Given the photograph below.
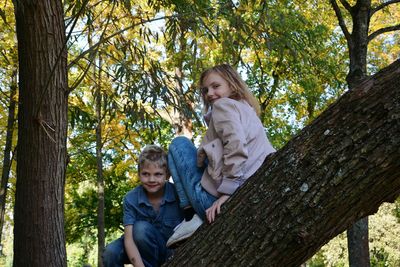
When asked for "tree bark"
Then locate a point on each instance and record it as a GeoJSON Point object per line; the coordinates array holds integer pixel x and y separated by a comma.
{"type": "Point", "coordinates": [339, 169]}
{"type": "Point", "coordinates": [39, 238]}
{"type": "Point", "coordinates": [358, 244]}
{"type": "Point", "coordinates": [357, 234]}
{"type": "Point", "coordinates": [358, 42]}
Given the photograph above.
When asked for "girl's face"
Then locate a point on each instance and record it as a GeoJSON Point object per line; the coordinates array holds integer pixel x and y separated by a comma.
{"type": "Point", "coordinates": [215, 87]}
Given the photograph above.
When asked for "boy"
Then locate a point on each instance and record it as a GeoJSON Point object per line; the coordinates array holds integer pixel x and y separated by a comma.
{"type": "Point", "coordinates": [151, 211]}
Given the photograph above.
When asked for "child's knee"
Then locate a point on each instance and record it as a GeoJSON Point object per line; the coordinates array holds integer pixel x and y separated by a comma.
{"type": "Point", "coordinates": [112, 252]}
{"type": "Point", "coordinates": [142, 231]}
{"type": "Point", "coordinates": [180, 141]}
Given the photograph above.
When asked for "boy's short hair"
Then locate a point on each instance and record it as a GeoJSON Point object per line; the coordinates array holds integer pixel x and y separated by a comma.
{"type": "Point", "coordinates": [155, 155]}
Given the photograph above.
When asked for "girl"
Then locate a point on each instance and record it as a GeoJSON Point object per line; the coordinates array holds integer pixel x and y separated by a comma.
{"type": "Point", "coordinates": [233, 148]}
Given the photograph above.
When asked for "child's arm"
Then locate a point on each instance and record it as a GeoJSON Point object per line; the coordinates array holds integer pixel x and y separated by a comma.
{"type": "Point", "coordinates": [131, 248]}
{"type": "Point", "coordinates": [230, 131]}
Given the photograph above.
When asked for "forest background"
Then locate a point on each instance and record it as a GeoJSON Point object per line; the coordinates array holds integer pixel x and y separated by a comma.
{"type": "Point", "coordinates": [132, 72]}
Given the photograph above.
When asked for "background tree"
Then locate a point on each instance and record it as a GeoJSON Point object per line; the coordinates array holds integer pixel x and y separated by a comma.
{"type": "Point", "coordinates": [7, 161]}
{"type": "Point", "coordinates": [100, 177]}
{"type": "Point", "coordinates": [361, 14]}
{"type": "Point", "coordinates": [8, 100]}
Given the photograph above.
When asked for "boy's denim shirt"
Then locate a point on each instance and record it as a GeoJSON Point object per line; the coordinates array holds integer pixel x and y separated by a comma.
{"type": "Point", "coordinates": [138, 208]}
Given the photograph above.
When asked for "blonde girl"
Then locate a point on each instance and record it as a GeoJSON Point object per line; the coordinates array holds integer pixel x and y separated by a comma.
{"type": "Point", "coordinates": [233, 148]}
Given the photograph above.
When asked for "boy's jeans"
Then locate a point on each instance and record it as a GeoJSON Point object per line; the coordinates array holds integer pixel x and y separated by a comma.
{"type": "Point", "coordinates": [182, 163]}
{"type": "Point", "coordinates": [150, 242]}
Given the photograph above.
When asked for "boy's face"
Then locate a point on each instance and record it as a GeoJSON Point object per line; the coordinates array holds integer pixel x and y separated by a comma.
{"type": "Point", "coordinates": [153, 178]}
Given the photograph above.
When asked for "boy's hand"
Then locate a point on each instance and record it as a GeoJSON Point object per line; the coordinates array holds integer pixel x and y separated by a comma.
{"type": "Point", "coordinates": [215, 209]}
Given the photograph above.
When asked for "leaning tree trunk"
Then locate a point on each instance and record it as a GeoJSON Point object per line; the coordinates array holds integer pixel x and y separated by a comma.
{"type": "Point", "coordinates": [339, 169]}
{"type": "Point", "coordinates": [39, 238]}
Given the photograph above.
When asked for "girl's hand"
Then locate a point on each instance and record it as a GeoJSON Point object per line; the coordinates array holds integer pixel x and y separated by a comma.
{"type": "Point", "coordinates": [215, 209]}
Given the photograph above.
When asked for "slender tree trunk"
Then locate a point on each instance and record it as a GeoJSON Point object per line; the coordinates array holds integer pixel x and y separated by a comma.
{"type": "Point", "coordinates": [100, 178]}
{"type": "Point", "coordinates": [358, 43]}
{"type": "Point", "coordinates": [182, 123]}
{"type": "Point", "coordinates": [39, 238]}
{"type": "Point", "coordinates": [357, 234]}
{"type": "Point", "coordinates": [358, 244]}
{"type": "Point", "coordinates": [7, 153]}
{"type": "Point", "coordinates": [337, 170]}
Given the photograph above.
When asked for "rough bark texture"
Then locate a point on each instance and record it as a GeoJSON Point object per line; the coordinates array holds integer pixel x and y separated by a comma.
{"type": "Point", "coordinates": [39, 238]}
{"type": "Point", "coordinates": [336, 171]}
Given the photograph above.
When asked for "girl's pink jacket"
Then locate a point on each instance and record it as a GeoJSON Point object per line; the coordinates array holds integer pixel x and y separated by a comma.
{"type": "Point", "coordinates": [235, 145]}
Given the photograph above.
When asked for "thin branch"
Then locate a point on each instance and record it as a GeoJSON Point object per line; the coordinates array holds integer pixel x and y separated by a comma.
{"type": "Point", "coordinates": [339, 16]}
{"type": "Point", "coordinates": [383, 5]}
{"type": "Point", "coordinates": [83, 75]}
{"type": "Point", "coordinates": [3, 100]}
{"type": "Point", "coordinates": [208, 29]}
{"type": "Point", "coordinates": [254, 27]}
{"type": "Point", "coordinates": [105, 71]}
{"type": "Point", "coordinates": [5, 95]}
{"type": "Point", "coordinates": [5, 57]}
{"type": "Point", "coordinates": [346, 5]}
{"type": "Point", "coordinates": [383, 30]}
{"type": "Point", "coordinates": [92, 48]}
{"type": "Point", "coordinates": [93, 55]}
{"type": "Point", "coordinates": [43, 124]}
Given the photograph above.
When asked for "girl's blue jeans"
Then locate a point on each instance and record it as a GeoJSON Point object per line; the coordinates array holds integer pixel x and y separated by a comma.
{"type": "Point", "coordinates": [182, 163]}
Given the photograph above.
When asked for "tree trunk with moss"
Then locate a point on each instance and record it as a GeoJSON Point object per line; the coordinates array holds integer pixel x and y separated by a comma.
{"type": "Point", "coordinates": [339, 169]}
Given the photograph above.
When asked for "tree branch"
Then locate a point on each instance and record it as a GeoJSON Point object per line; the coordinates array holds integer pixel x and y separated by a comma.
{"type": "Point", "coordinates": [94, 47]}
{"type": "Point", "coordinates": [383, 5]}
{"type": "Point", "coordinates": [93, 55]}
{"type": "Point", "coordinates": [346, 5]}
{"type": "Point", "coordinates": [5, 57]}
{"type": "Point", "coordinates": [383, 30]}
{"type": "Point", "coordinates": [209, 30]}
{"type": "Point", "coordinates": [339, 16]}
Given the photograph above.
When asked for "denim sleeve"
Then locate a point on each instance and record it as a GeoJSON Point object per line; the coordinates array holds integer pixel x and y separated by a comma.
{"type": "Point", "coordinates": [130, 215]}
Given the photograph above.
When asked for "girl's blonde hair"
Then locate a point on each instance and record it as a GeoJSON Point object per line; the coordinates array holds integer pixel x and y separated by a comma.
{"type": "Point", "coordinates": [238, 86]}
